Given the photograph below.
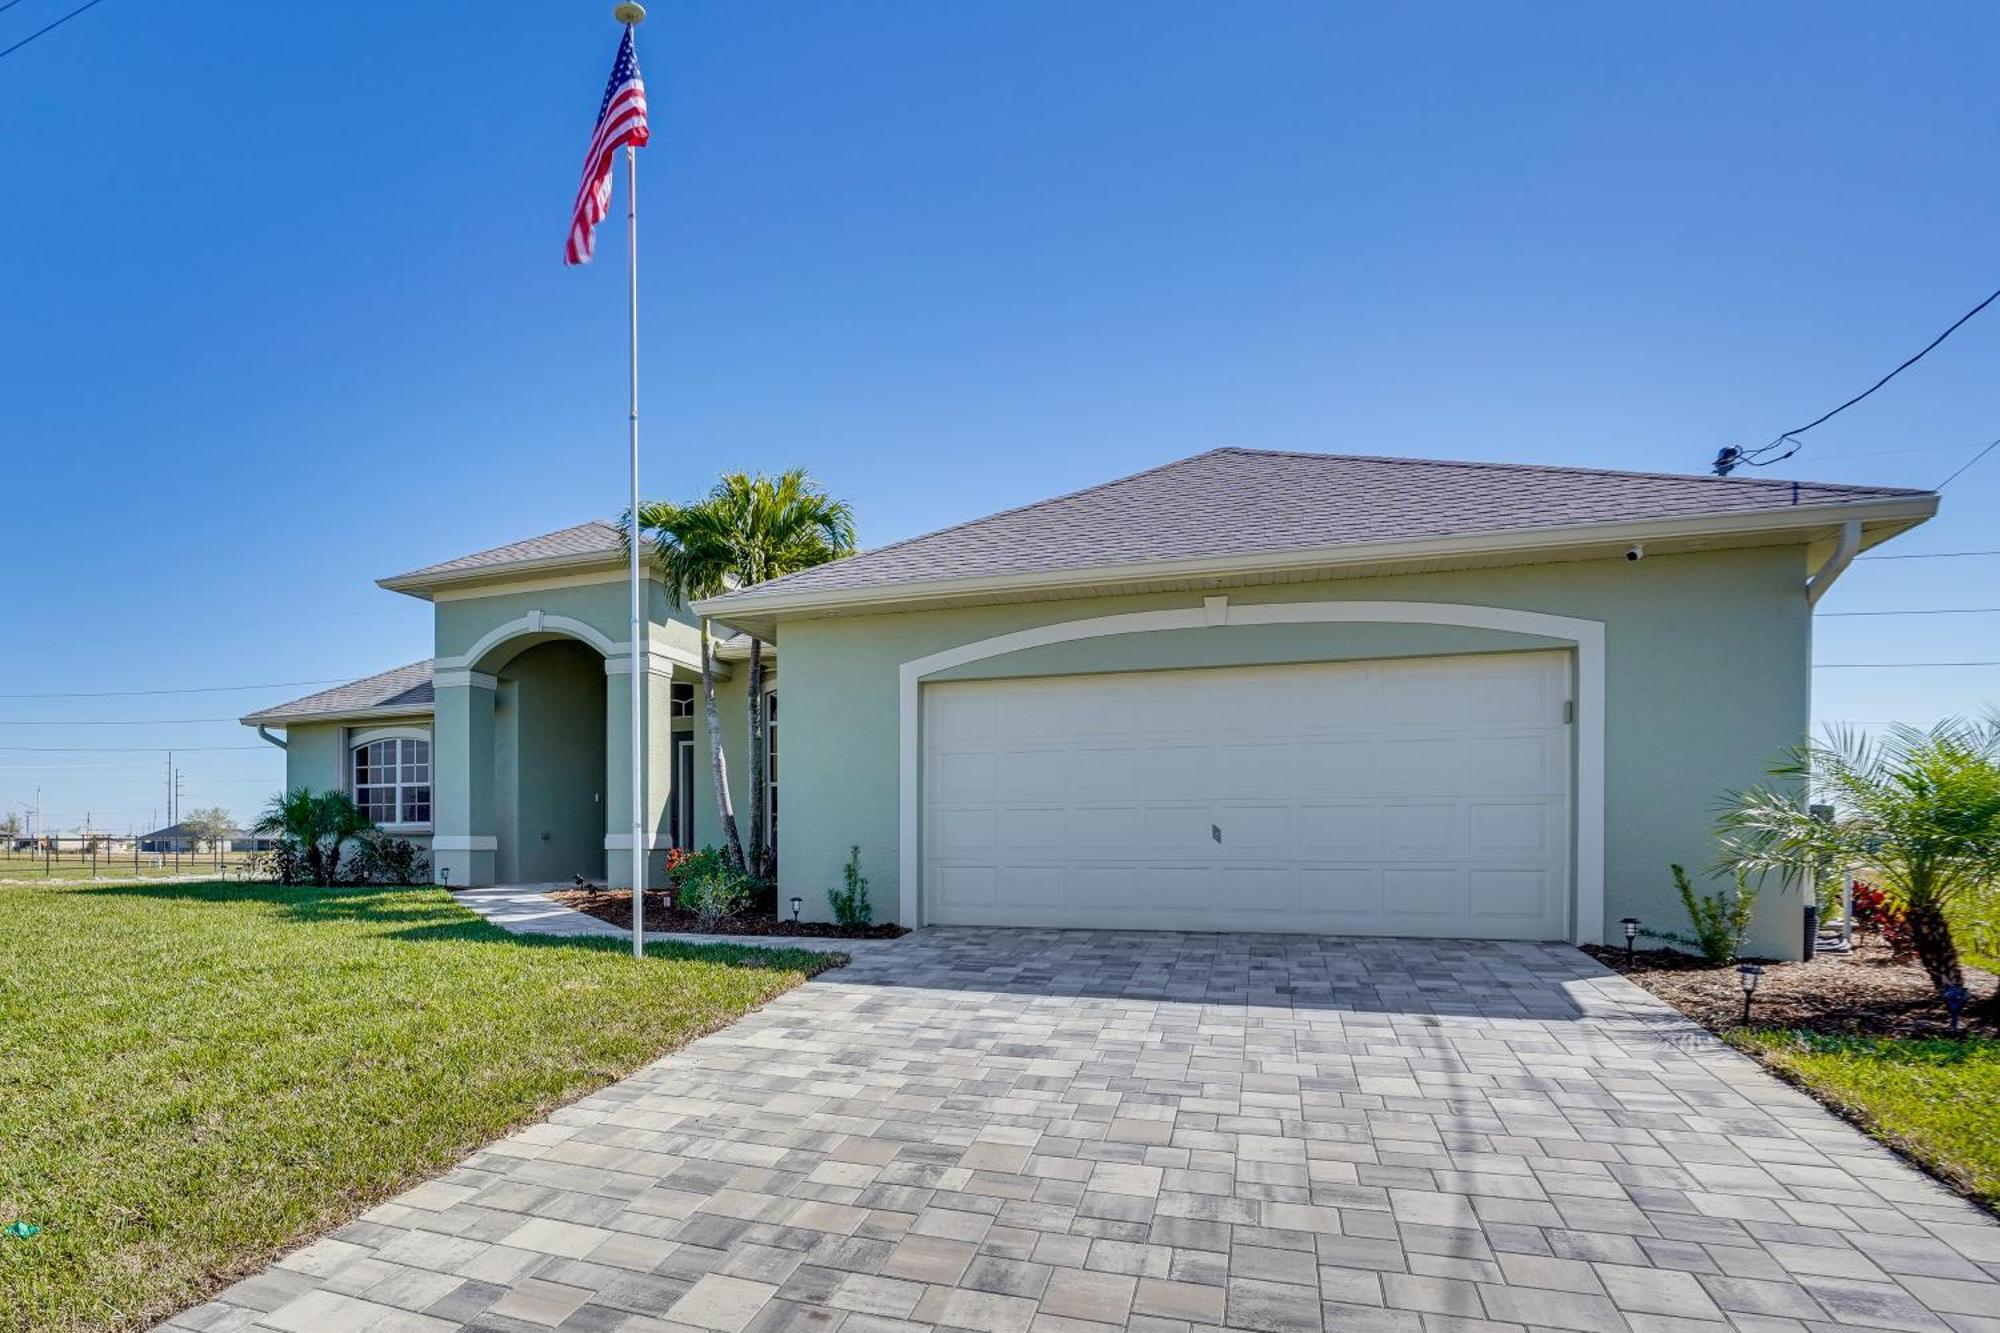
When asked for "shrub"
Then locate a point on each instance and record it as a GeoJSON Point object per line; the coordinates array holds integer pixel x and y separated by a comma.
{"type": "Point", "coordinates": [381, 858]}
{"type": "Point", "coordinates": [850, 902]}
{"type": "Point", "coordinates": [714, 893]}
{"type": "Point", "coordinates": [1720, 920]}
{"type": "Point", "coordinates": [285, 863]}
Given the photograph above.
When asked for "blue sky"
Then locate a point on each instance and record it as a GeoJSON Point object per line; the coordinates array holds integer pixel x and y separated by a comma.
{"type": "Point", "coordinates": [286, 312]}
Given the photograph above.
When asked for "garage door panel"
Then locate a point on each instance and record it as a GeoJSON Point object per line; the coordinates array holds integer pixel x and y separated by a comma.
{"type": "Point", "coordinates": [1268, 895]}
{"type": "Point", "coordinates": [1426, 797]}
{"type": "Point", "coordinates": [1344, 830]}
{"type": "Point", "coordinates": [1344, 891]}
{"type": "Point", "coordinates": [1512, 829]}
{"type": "Point", "coordinates": [1254, 830]}
{"type": "Point", "coordinates": [1422, 764]}
{"type": "Point", "coordinates": [1426, 828]}
{"type": "Point", "coordinates": [1254, 768]}
{"type": "Point", "coordinates": [1029, 775]}
{"type": "Point", "coordinates": [1528, 763]}
{"type": "Point", "coordinates": [1332, 768]}
{"type": "Point", "coordinates": [1499, 892]}
{"type": "Point", "coordinates": [1424, 891]}
{"type": "Point", "coordinates": [1174, 773]}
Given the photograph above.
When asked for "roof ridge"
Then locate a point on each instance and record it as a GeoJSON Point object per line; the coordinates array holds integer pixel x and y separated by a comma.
{"type": "Point", "coordinates": [1572, 469]}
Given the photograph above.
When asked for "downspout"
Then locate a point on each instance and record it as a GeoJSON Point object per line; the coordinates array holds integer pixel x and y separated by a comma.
{"type": "Point", "coordinates": [265, 735]}
{"type": "Point", "coordinates": [1844, 550]}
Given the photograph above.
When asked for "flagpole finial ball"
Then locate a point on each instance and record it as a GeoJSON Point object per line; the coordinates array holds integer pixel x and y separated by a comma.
{"type": "Point", "coordinates": [630, 15]}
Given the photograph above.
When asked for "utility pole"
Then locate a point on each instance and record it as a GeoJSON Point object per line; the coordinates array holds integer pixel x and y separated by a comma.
{"type": "Point", "coordinates": [170, 786]}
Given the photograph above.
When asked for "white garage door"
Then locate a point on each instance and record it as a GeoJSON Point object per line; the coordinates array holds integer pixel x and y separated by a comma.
{"type": "Point", "coordinates": [1423, 796]}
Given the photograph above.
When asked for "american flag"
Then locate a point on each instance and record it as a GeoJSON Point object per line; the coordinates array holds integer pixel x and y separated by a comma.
{"type": "Point", "coordinates": [621, 120]}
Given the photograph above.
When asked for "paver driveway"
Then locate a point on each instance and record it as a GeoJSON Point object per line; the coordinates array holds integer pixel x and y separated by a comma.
{"type": "Point", "coordinates": [1068, 1132]}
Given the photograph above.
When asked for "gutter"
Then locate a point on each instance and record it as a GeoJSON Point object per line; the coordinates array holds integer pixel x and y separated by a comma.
{"type": "Point", "coordinates": [1844, 550]}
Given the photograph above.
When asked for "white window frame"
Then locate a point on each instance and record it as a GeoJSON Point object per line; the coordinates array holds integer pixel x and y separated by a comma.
{"type": "Point", "coordinates": [360, 740]}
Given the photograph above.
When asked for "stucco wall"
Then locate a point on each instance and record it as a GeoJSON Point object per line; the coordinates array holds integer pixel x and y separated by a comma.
{"type": "Point", "coordinates": [1707, 680]}
{"type": "Point", "coordinates": [312, 756]}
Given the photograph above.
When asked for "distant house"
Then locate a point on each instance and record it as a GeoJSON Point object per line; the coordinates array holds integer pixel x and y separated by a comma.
{"type": "Point", "coordinates": [180, 838]}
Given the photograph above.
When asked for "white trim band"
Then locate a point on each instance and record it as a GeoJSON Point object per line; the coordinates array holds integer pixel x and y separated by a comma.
{"type": "Point", "coordinates": [465, 842]}
{"type": "Point", "coordinates": [622, 842]}
{"type": "Point", "coordinates": [1585, 636]}
{"type": "Point", "coordinates": [480, 680]}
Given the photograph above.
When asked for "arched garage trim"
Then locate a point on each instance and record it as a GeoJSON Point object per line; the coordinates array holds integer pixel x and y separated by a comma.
{"type": "Point", "coordinates": [1586, 637]}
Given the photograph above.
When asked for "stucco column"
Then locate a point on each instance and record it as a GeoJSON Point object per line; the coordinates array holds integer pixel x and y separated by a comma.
{"type": "Point", "coordinates": [462, 779]}
{"type": "Point", "coordinates": [618, 772]}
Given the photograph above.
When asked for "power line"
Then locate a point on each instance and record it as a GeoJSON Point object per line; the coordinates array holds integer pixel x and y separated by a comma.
{"type": "Point", "coordinates": [1894, 666]}
{"type": "Point", "coordinates": [1928, 611]}
{"type": "Point", "coordinates": [87, 4]}
{"type": "Point", "coordinates": [1927, 555]}
{"type": "Point", "coordinates": [1968, 464]}
{"type": "Point", "coordinates": [1731, 457]}
{"type": "Point", "coordinates": [191, 689]}
{"type": "Point", "coordinates": [124, 722]}
{"type": "Point", "coordinates": [124, 749]}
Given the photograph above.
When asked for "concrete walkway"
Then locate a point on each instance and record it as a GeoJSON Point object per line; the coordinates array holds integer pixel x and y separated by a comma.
{"type": "Point", "coordinates": [1077, 1132]}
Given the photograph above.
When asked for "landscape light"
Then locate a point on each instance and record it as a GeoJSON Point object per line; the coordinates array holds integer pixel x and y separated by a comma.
{"type": "Point", "coordinates": [796, 904]}
{"type": "Point", "coordinates": [444, 876]}
{"type": "Point", "coordinates": [1746, 976]}
{"type": "Point", "coordinates": [1631, 924]}
{"type": "Point", "coordinates": [1954, 1003]}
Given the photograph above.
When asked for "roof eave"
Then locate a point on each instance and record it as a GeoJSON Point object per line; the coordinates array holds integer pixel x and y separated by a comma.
{"type": "Point", "coordinates": [748, 608]}
{"type": "Point", "coordinates": [278, 719]}
{"type": "Point", "coordinates": [419, 584]}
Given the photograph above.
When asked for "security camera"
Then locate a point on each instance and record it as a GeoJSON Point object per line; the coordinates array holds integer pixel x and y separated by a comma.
{"type": "Point", "coordinates": [1635, 552]}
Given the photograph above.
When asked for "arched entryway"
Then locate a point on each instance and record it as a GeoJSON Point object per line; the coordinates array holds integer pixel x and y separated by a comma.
{"type": "Point", "coordinates": [549, 763]}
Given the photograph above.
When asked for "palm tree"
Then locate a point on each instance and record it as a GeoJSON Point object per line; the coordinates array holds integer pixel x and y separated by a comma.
{"type": "Point", "coordinates": [692, 551]}
{"type": "Point", "coordinates": [778, 525]}
{"type": "Point", "coordinates": [1921, 806]}
{"type": "Point", "coordinates": [319, 824]}
{"type": "Point", "coordinates": [747, 529]}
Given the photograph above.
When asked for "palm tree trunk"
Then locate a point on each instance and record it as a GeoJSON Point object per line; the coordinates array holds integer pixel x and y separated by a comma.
{"type": "Point", "coordinates": [757, 801]}
{"type": "Point", "coordinates": [1930, 934]}
{"type": "Point", "coordinates": [732, 841]}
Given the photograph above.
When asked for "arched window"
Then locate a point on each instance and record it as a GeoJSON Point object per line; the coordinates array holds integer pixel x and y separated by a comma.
{"type": "Point", "coordinates": [392, 779]}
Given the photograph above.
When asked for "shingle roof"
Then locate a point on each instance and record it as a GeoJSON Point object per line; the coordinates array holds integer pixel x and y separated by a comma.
{"type": "Point", "coordinates": [1249, 501]}
{"type": "Point", "coordinates": [594, 538]}
{"type": "Point", "coordinates": [407, 687]}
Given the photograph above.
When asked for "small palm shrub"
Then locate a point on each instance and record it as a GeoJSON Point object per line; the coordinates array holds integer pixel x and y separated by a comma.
{"type": "Point", "coordinates": [315, 826]}
{"type": "Point", "coordinates": [1721, 920]}
{"type": "Point", "coordinates": [1920, 805]}
{"type": "Point", "coordinates": [850, 901]}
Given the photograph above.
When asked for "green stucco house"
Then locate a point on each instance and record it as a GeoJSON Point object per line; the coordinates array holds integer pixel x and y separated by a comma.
{"type": "Point", "coordinates": [1244, 691]}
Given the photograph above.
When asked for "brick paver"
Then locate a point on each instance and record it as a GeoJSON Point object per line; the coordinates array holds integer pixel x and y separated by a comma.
{"type": "Point", "coordinates": [1076, 1132]}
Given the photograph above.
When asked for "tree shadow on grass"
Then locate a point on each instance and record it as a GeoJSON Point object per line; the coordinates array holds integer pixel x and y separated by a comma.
{"type": "Point", "coordinates": [422, 914]}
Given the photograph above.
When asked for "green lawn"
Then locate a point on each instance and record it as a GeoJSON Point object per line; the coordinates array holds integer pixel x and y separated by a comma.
{"type": "Point", "coordinates": [1938, 1099]}
{"type": "Point", "coordinates": [196, 1077]}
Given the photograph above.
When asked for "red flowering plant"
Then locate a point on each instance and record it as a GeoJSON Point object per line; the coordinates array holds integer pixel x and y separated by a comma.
{"type": "Point", "coordinates": [1873, 911]}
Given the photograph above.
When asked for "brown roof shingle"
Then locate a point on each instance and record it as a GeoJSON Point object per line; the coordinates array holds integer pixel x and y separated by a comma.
{"type": "Point", "coordinates": [1251, 501]}
{"type": "Point", "coordinates": [406, 687]}
{"type": "Point", "coordinates": [597, 537]}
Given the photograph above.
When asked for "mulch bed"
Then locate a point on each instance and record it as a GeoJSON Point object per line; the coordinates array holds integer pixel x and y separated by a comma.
{"type": "Point", "coordinates": [1865, 993]}
{"type": "Point", "coordinates": [615, 906]}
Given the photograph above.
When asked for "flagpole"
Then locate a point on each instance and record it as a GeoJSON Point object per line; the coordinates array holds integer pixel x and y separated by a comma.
{"type": "Point", "coordinates": [631, 16]}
